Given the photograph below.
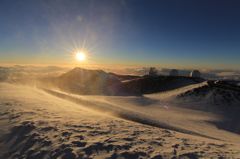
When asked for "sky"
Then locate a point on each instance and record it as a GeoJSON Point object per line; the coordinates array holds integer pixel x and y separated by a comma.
{"type": "Point", "coordinates": [164, 33]}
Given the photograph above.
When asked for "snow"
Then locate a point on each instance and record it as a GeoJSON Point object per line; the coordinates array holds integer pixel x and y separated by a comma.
{"type": "Point", "coordinates": [49, 124]}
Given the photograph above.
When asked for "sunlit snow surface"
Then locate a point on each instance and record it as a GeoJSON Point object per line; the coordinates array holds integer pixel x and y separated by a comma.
{"type": "Point", "coordinates": [50, 124]}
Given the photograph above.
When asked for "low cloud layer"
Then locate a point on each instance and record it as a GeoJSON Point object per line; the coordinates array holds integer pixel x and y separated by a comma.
{"type": "Point", "coordinates": [208, 74]}
{"type": "Point", "coordinates": [17, 72]}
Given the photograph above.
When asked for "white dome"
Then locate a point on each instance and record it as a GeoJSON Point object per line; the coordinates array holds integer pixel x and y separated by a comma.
{"type": "Point", "coordinates": [195, 73]}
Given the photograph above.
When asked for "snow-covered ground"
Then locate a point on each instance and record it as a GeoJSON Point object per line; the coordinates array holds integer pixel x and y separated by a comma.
{"type": "Point", "coordinates": [38, 123]}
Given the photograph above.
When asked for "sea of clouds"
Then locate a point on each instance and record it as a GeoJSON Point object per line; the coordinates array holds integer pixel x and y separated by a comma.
{"type": "Point", "coordinates": [13, 73]}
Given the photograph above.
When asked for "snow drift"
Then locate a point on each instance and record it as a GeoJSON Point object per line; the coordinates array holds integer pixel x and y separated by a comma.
{"type": "Point", "coordinates": [35, 124]}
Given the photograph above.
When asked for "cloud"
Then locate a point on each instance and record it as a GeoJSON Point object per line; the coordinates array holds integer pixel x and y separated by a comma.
{"type": "Point", "coordinates": [32, 72]}
{"type": "Point", "coordinates": [25, 74]}
{"type": "Point", "coordinates": [208, 74]}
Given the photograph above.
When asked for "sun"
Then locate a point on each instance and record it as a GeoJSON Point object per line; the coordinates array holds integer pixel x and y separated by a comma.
{"type": "Point", "coordinates": [80, 56]}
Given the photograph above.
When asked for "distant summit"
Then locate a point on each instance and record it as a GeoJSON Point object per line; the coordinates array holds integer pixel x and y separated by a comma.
{"type": "Point", "coordinates": [173, 72]}
{"type": "Point", "coordinates": [195, 74]}
{"type": "Point", "coordinates": [84, 81]}
{"type": "Point", "coordinates": [98, 82]}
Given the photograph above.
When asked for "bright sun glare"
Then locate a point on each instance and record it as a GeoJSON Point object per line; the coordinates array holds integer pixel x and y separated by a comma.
{"type": "Point", "coordinates": [80, 56]}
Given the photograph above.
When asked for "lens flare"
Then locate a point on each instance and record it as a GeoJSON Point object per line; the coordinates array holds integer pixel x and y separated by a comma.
{"type": "Point", "coordinates": [80, 56]}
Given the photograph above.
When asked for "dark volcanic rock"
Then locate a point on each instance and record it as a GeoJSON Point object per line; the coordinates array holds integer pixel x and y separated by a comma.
{"type": "Point", "coordinates": [98, 82]}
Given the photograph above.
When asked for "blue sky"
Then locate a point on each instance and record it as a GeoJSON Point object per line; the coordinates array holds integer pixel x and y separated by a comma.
{"type": "Point", "coordinates": [171, 33]}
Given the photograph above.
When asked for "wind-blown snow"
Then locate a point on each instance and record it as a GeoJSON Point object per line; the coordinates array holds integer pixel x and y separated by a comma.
{"type": "Point", "coordinates": [43, 124]}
